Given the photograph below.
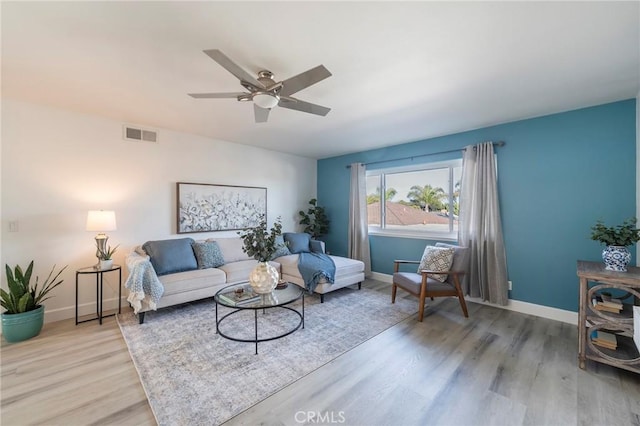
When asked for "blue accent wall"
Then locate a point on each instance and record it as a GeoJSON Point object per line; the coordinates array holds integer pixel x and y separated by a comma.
{"type": "Point", "coordinates": [557, 175]}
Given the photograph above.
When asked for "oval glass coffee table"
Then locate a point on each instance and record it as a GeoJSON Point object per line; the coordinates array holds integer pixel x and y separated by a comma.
{"type": "Point", "coordinates": [239, 297]}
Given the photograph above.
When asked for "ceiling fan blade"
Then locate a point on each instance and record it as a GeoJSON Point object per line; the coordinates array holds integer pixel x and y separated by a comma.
{"type": "Point", "coordinates": [216, 95]}
{"type": "Point", "coordinates": [298, 105]}
{"type": "Point", "coordinates": [262, 114]}
{"type": "Point", "coordinates": [232, 67]}
{"type": "Point", "coordinates": [304, 80]}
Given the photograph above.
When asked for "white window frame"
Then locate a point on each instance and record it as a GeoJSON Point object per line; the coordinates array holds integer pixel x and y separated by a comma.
{"type": "Point", "coordinates": [451, 235]}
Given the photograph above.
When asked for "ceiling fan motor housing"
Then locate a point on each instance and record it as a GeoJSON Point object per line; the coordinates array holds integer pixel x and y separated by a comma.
{"type": "Point", "coordinates": [265, 92]}
{"type": "Point", "coordinates": [266, 78]}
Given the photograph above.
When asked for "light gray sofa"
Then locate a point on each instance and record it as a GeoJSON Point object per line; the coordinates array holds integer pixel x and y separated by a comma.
{"type": "Point", "coordinates": [185, 273]}
{"type": "Point", "coordinates": [348, 271]}
{"type": "Point", "coordinates": [191, 270]}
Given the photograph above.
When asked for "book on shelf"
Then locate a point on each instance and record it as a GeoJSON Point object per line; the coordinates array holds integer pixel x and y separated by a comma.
{"type": "Point", "coordinates": [604, 339]}
{"type": "Point", "coordinates": [606, 306]}
{"type": "Point", "coordinates": [611, 302]}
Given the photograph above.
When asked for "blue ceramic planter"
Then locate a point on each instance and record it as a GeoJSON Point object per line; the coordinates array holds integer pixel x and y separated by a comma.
{"type": "Point", "coordinates": [23, 326]}
{"type": "Point", "coordinates": [616, 258]}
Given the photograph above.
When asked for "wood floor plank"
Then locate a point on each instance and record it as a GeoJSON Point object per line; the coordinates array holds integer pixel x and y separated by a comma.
{"type": "Point", "coordinates": [603, 404]}
{"type": "Point", "coordinates": [497, 367]}
{"type": "Point", "coordinates": [73, 375]}
{"type": "Point", "coordinates": [553, 396]}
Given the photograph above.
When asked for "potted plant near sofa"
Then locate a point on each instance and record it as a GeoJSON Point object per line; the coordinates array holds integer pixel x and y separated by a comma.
{"type": "Point", "coordinates": [616, 255]}
{"type": "Point", "coordinates": [315, 220]}
{"type": "Point", "coordinates": [24, 315]}
{"type": "Point", "coordinates": [261, 245]}
{"type": "Point", "coordinates": [105, 257]}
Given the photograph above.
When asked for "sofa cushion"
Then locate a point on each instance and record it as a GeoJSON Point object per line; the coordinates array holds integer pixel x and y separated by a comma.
{"type": "Point", "coordinates": [281, 248]}
{"type": "Point", "coordinates": [169, 256]}
{"type": "Point", "coordinates": [208, 254]}
{"type": "Point", "coordinates": [298, 242]}
{"type": "Point", "coordinates": [413, 282]}
{"type": "Point", "coordinates": [344, 266]}
{"type": "Point", "coordinates": [438, 259]}
{"type": "Point", "coordinates": [232, 249]}
{"type": "Point", "coordinates": [197, 279]}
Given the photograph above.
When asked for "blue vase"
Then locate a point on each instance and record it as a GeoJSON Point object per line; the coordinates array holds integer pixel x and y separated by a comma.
{"type": "Point", "coordinates": [616, 258]}
{"type": "Point", "coordinates": [22, 326]}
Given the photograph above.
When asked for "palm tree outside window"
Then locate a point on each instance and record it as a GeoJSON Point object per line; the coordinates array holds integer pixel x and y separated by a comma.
{"type": "Point", "coordinates": [421, 201]}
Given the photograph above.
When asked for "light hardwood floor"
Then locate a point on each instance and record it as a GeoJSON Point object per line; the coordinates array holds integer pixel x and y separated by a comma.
{"type": "Point", "coordinates": [496, 368]}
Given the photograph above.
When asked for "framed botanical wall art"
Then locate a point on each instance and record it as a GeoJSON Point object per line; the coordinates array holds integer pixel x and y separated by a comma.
{"type": "Point", "coordinates": [209, 207]}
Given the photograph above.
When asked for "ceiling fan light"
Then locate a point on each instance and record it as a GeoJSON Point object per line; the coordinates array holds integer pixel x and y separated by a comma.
{"type": "Point", "coordinates": [265, 100]}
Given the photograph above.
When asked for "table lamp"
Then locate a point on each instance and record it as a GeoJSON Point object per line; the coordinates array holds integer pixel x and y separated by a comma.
{"type": "Point", "coordinates": [101, 221]}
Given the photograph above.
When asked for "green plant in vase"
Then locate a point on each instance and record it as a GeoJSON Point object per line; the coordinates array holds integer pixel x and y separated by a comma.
{"type": "Point", "coordinates": [105, 256]}
{"type": "Point", "coordinates": [24, 315]}
{"type": "Point", "coordinates": [261, 244]}
{"type": "Point", "coordinates": [616, 255]}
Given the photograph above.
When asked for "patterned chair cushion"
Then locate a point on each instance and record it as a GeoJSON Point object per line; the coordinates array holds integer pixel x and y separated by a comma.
{"type": "Point", "coordinates": [437, 259]}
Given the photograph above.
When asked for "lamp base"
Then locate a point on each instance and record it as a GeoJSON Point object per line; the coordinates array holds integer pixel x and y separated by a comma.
{"type": "Point", "coordinates": [101, 244]}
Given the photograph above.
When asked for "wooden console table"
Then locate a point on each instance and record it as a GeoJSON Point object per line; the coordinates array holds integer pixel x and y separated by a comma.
{"type": "Point", "coordinates": [593, 279]}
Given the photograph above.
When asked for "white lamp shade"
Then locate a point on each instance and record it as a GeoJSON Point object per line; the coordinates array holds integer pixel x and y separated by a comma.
{"type": "Point", "coordinates": [265, 100]}
{"type": "Point", "coordinates": [101, 220]}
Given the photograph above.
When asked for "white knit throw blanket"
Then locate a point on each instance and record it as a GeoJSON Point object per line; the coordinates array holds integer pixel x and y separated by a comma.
{"type": "Point", "coordinates": [144, 286]}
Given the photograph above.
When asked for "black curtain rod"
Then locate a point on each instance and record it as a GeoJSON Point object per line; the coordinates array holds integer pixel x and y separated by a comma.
{"type": "Point", "coordinates": [498, 144]}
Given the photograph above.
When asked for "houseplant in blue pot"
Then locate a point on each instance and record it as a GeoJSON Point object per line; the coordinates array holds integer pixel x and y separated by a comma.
{"type": "Point", "coordinates": [24, 315]}
{"type": "Point", "coordinates": [616, 255]}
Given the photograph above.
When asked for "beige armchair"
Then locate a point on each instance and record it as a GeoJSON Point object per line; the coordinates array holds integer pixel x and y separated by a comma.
{"type": "Point", "coordinates": [422, 286]}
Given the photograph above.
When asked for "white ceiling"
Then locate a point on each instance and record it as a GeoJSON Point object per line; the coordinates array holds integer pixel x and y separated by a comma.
{"type": "Point", "coordinates": [401, 71]}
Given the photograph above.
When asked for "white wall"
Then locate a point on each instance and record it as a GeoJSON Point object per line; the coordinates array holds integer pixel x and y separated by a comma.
{"type": "Point", "coordinates": [638, 167]}
{"type": "Point", "coordinates": [57, 165]}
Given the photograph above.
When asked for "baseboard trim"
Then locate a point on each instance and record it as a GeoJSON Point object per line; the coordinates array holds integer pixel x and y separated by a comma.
{"type": "Point", "coordinates": [561, 315]}
{"type": "Point", "coordinates": [69, 312]}
{"type": "Point", "coordinates": [542, 311]}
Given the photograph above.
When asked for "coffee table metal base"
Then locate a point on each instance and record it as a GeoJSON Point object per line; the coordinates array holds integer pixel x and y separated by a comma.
{"type": "Point", "coordinates": [255, 324]}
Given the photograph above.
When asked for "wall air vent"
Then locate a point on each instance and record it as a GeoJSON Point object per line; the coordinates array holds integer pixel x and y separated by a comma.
{"type": "Point", "coordinates": [134, 133]}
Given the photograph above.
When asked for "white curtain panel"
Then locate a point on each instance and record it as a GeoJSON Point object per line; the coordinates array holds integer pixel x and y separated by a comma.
{"type": "Point", "coordinates": [358, 226]}
{"type": "Point", "coordinates": [480, 227]}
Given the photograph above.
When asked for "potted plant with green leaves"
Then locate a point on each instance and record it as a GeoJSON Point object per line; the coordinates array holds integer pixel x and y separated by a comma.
{"type": "Point", "coordinates": [261, 245]}
{"type": "Point", "coordinates": [616, 255]}
{"type": "Point", "coordinates": [315, 220]}
{"type": "Point", "coordinates": [24, 315]}
{"type": "Point", "coordinates": [106, 256]}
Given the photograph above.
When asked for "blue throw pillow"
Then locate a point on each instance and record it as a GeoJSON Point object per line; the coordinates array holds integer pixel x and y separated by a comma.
{"type": "Point", "coordinates": [298, 242]}
{"type": "Point", "coordinates": [169, 256]}
{"type": "Point", "coordinates": [316, 246]}
{"type": "Point", "coordinates": [208, 254]}
{"type": "Point", "coordinates": [281, 248]}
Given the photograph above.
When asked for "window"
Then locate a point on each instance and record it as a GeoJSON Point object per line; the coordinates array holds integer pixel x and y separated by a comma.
{"type": "Point", "coordinates": [416, 201]}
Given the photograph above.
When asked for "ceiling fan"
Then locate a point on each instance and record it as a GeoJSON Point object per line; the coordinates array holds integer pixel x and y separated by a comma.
{"type": "Point", "coordinates": [265, 92]}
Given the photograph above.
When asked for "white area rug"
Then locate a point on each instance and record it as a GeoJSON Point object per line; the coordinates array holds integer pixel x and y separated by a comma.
{"type": "Point", "coordinates": [193, 376]}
